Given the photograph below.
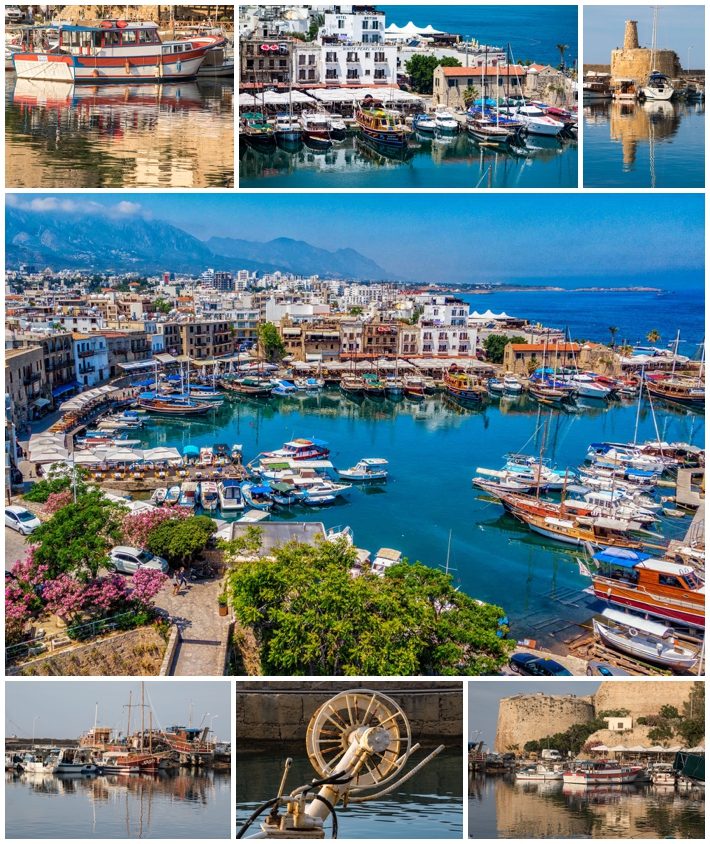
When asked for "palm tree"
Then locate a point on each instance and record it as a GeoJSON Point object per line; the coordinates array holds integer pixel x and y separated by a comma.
{"type": "Point", "coordinates": [612, 330]}
{"type": "Point", "coordinates": [562, 48]}
{"type": "Point", "coordinates": [625, 351]}
{"type": "Point", "coordinates": [653, 337]}
{"type": "Point", "coordinates": [469, 95]}
{"type": "Point", "coordinates": [533, 364]}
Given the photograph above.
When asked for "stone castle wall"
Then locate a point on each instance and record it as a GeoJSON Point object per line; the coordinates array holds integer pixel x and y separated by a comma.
{"type": "Point", "coordinates": [636, 64]}
{"type": "Point", "coordinates": [523, 718]}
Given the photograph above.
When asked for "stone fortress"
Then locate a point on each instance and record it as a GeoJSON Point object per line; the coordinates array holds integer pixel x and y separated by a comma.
{"type": "Point", "coordinates": [526, 717]}
{"type": "Point", "coordinates": [634, 62]}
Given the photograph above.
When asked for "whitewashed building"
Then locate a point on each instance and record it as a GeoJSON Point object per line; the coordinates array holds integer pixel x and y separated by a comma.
{"type": "Point", "coordinates": [90, 358]}
{"type": "Point", "coordinates": [358, 28]}
{"type": "Point", "coordinates": [358, 64]}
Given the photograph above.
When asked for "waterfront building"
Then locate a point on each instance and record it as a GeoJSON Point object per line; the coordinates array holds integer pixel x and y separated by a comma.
{"type": "Point", "coordinates": [265, 61]}
{"type": "Point", "coordinates": [359, 64]}
{"type": "Point", "coordinates": [26, 383]}
{"type": "Point", "coordinates": [306, 63]}
{"type": "Point", "coordinates": [518, 357]}
{"type": "Point", "coordinates": [58, 357]}
{"type": "Point", "coordinates": [371, 338]}
{"type": "Point", "coordinates": [347, 26]}
{"type": "Point", "coordinates": [438, 341]}
{"type": "Point", "coordinates": [90, 358]}
{"type": "Point", "coordinates": [446, 310]}
{"type": "Point", "coordinates": [312, 341]}
{"type": "Point", "coordinates": [126, 346]}
{"type": "Point", "coordinates": [206, 339]}
{"type": "Point", "coordinates": [450, 83]}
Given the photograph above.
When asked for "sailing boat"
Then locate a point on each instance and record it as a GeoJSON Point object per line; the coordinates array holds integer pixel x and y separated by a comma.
{"type": "Point", "coordinates": [659, 85]}
{"type": "Point", "coordinates": [482, 126]}
{"type": "Point", "coordinates": [287, 129]}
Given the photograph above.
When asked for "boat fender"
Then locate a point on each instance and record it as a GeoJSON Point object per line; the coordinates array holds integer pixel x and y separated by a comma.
{"type": "Point", "coordinates": [95, 73]}
{"type": "Point", "coordinates": [128, 67]}
{"type": "Point", "coordinates": [633, 631]}
{"type": "Point", "coordinates": [121, 24]}
{"type": "Point", "coordinates": [179, 65]}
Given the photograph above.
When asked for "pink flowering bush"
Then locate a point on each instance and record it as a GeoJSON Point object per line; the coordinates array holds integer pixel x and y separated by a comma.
{"type": "Point", "coordinates": [146, 583]}
{"type": "Point", "coordinates": [107, 594]}
{"type": "Point", "coordinates": [64, 596]}
{"type": "Point", "coordinates": [137, 527]}
{"type": "Point", "coordinates": [57, 500]}
{"type": "Point", "coordinates": [28, 573]}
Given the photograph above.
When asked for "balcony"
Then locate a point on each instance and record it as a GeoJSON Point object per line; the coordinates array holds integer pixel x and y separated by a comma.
{"type": "Point", "coordinates": [87, 354]}
{"type": "Point", "coordinates": [86, 370]}
{"type": "Point", "coordinates": [31, 379]}
{"type": "Point", "coordinates": [352, 58]}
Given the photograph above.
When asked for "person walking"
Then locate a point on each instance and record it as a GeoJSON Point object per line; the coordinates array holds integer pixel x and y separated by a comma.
{"type": "Point", "coordinates": [183, 579]}
{"type": "Point", "coordinates": [176, 582]}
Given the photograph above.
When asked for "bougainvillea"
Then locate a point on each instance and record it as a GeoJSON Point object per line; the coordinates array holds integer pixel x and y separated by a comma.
{"type": "Point", "coordinates": [64, 596]}
{"type": "Point", "coordinates": [57, 500]}
{"type": "Point", "coordinates": [28, 573]}
{"type": "Point", "coordinates": [146, 585]}
{"type": "Point", "coordinates": [137, 527]}
{"type": "Point", "coordinates": [107, 594]}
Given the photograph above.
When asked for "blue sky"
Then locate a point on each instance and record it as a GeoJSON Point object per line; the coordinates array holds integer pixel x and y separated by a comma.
{"type": "Point", "coordinates": [484, 697]}
{"type": "Point", "coordinates": [447, 237]}
{"type": "Point", "coordinates": [679, 27]}
{"type": "Point", "coordinates": [66, 708]}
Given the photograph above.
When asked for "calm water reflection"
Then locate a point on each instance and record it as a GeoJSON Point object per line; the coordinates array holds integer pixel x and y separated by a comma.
{"type": "Point", "coordinates": [429, 805]}
{"type": "Point", "coordinates": [644, 145]}
{"type": "Point", "coordinates": [113, 136]}
{"type": "Point", "coordinates": [181, 804]}
{"type": "Point", "coordinates": [443, 161]}
{"type": "Point", "coordinates": [500, 808]}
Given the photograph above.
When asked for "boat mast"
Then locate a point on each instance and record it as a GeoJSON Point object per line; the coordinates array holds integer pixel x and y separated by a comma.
{"type": "Point", "coordinates": [96, 718]}
{"type": "Point", "coordinates": [653, 38]}
{"type": "Point", "coordinates": [128, 722]}
{"type": "Point", "coordinates": [702, 364]}
{"type": "Point", "coordinates": [539, 466]}
{"type": "Point", "coordinates": [448, 552]}
{"type": "Point", "coordinates": [142, 714]}
{"type": "Point", "coordinates": [675, 352]}
{"type": "Point", "coordinates": [638, 407]}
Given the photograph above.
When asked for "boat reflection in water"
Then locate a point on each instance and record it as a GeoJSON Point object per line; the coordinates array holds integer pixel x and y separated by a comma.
{"type": "Point", "coordinates": [501, 808]}
{"type": "Point", "coordinates": [359, 160]}
{"type": "Point", "coordinates": [141, 135]}
{"type": "Point", "coordinates": [661, 144]}
{"type": "Point", "coordinates": [178, 803]}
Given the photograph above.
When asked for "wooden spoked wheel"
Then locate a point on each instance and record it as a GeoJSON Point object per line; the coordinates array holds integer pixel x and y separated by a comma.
{"type": "Point", "coordinates": [331, 727]}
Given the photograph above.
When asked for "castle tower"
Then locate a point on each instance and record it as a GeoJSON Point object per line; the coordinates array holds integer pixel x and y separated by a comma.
{"type": "Point", "coordinates": [631, 36]}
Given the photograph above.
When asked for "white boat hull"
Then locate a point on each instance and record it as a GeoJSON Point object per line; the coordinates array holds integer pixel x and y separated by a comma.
{"type": "Point", "coordinates": [658, 93]}
{"type": "Point", "coordinates": [668, 657]}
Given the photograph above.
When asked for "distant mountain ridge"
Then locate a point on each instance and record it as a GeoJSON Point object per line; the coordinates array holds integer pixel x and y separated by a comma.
{"type": "Point", "coordinates": [72, 240]}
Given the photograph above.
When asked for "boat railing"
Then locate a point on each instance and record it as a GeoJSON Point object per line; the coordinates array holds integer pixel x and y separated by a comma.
{"type": "Point", "coordinates": [55, 642]}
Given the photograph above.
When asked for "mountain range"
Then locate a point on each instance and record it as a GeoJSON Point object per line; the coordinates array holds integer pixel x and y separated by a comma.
{"type": "Point", "coordinates": [99, 242]}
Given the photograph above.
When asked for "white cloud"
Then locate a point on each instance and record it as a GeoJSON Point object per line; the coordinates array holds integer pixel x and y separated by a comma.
{"type": "Point", "coordinates": [69, 206]}
{"type": "Point", "coordinates": [129, 208]}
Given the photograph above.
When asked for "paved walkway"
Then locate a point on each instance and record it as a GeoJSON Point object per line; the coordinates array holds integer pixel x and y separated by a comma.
{"type": "Point", "coordinates": [203, 631]}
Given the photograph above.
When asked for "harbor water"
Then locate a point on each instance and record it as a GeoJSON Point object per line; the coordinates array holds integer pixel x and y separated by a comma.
{"type": "Point", "coordinates": [429, 805]}
{"type": "Point", "coordinates": [184, 804]}
{"type": "Point", "coordinates": [433, 448]}
{"type": "Point", "coordinates": [431, 161]}
{"type": "Point", "coordinates": [59, 135]}
{"type": "Point", "coordinates": [498, 807]}
{"type": "Point", "coordinates": [649, 144]}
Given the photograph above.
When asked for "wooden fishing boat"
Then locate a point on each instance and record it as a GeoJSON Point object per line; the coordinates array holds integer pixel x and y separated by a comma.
{"type": "Point", "coordinates": [381, 125]}
{"type": "Point", "coordinates": [173, 494]}
{"type": "Point", "coordinates": [414, 387]}
{"type": "Point", "coordinates": [191, 743]}
{"type": "Point", "coordinates": [255, 387]}
{"type": "Point", "coordinates": [159, 495]}
{"type": "Point", "coordinates": [660, 588]}
{"type": "Point", "coordinates": [547, 395]}
{"type": "Point", "coordinates": [646, 640]}
{"type": "Point", "coordinates": [374, 386]}
{"type": "Point", "coordinates": [604, 772]}
{"type": "Point", "coordinates": [368, 469]}
{"type": "Point", "coordinates": [256, 131]}
{"type": "Point", "coordinates": [600, 532]}
{"type": "Point", "coordinates": [162, 407]}
{"type": "Point", "coordinates": [352, 384]}
{"type": "Point", "coordinates": [463, 387]}
{"type": "Point", "coordinates": [677, 391]}
{"type": "Point", "coordinates": [189, 495]}
{"type": "Point", "coordinates": [109, 52]}
{"type": "Point", "coordinates": [257, 497]}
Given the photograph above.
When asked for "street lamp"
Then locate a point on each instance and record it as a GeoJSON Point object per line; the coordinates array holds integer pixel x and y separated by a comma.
{"type": "Point", "coordinates": [689, 49]}
{"type": "Point", "coordinates": [211, 720]}
{"type": "Point", "coordinates": [33, 730]}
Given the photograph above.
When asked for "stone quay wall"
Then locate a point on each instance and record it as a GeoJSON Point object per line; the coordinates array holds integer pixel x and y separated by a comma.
{"type": "Point", "coordinates": [281, 711]}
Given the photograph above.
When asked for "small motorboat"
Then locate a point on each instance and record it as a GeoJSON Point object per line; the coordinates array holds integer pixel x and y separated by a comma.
{"type": "Point", "coordinates": [173, 494]}
{"type": "Point", "coordinates": [284, 494]}
{"type": "Point", "coordinates": [159, 495]}
{"type": "Point", "coordinates": [673, 513]}
{"type": "Point", "coordinates": [310, 385]}
{"type": "Point", "coordinates": [284, 388]}
{"type": "Point", "coordinates": [424, 123]}
{"type": "Point", "coordinates": [206, 458]}
{"type": "Point", "coordinates": [368, 469]}
{"type": "Point", "coordinates": [505, 484]}
{"type": "Point", "coordinates": [189, 495]}
{"type": "Point", "coordinates": [236, 453]}
{"type": "Point", "coordinates": [209, 495]}
{"type": "Point", "coordinates": [511, 384]}
{"type": "Point", "coordinates": [496, 385]}
{"type": "Point", "coordinates": [256, 496]}
{"type": "Point", "coordinates": [230, 495]}
{"type": "Point", "coordinates": [538, 773]}
{"type": "Point", "coordinates": [445, 121]}
{"type": "Point", "coordinates": [649, 641]}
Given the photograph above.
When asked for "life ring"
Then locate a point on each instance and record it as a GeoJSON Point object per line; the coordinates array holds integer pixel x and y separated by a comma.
{"type": "Point", "coordinates": [633, 631]}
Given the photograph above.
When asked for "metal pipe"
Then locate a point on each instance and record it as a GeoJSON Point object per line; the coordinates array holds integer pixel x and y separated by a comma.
{"type": "Point", "coordinates": [399, 782]}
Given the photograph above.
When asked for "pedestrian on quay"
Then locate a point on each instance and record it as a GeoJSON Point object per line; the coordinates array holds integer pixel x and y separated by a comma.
{"type": "Point", "coordinates": [182, 579]}
{"type": "Point", "coordinates": [176, 582]}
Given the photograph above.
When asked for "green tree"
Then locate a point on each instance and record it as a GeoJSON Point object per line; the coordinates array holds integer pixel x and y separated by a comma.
{"type": "Point", "coordinates": [420, 70]}
{"type": "Point", "coordinates": [248, 543]}
{"type": "Point", "coordinates": [669, 712]}
{"type": "Point", "coordinates": [612, 330]}
{"type": "Point", "coordinates": [449, 61]}
{"type": "Point", "coordinates": [40, 491]}
{"type": "Point", "coordinates": [79, 536]}
{"type": "Point", "coordinates": [469, 95]}
{"type": "Point", "coordinates": [312, 617]}
{"type": "Point", "coordinates": [663, 732]}
{"type": "Point", "coordinates": [162, 306]}
{"type": "Point", "coordinates": [533, 364]}
{"type": "Point", "coordinates": [179, 541]}
{"type": "Point", "coordinates": [653, 337]}
{"type": "Point", "coordinates": [271, 342]}
{"type": "Point", "coordinates": [495, 345]}
{"type": "Point", "coordinates": [356, 311]}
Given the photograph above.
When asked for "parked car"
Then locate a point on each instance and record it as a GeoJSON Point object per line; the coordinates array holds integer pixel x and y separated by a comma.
{"type": "Point", "coordinates": [603, 669]}
{"type": "Point", "coordinates": [21, 520]}
{"type": "Point", "coordinates": [537, 666]}
{"type": "Point", "coordinates": [12, 13]}
{"type": "Point", "coordinates": [128, 560]}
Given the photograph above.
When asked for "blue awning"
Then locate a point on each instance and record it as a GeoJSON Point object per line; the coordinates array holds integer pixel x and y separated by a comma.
{"type": "Point", "coordinates": [191, 449]}
{"type": "Point", "coordinates": [64, 388]}
{"type": "Point", "coordinates": [147, 383]}
{"type": "Point", "coordinates": [260, 490]}
{"type": "Point", "coordinates": [621, 557]}
{"type": "Point", "coordinates": [319, 443]}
